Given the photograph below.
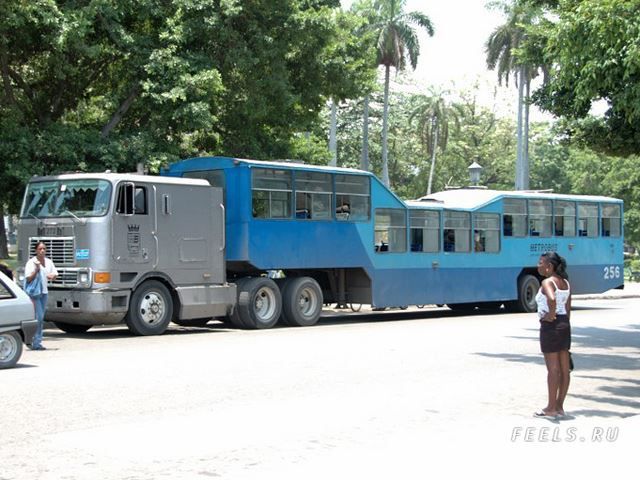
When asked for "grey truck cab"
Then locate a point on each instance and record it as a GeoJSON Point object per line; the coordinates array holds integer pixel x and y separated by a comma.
{"type": "Point", "coordinates": [134, 249]}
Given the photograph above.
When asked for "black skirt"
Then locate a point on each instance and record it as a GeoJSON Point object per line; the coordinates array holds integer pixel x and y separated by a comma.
{"type": "Point", "coordinates": [555, 336]}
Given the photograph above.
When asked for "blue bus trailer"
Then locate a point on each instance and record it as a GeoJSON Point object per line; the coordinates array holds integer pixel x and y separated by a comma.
{"type": "Point", "coordinates": [147, 250]}
{"type": "Point", "coordinates": [339, 235]}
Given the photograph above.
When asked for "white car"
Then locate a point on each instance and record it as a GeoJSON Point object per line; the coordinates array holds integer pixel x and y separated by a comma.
{"type": "Point", "coordinates": [17, 321]}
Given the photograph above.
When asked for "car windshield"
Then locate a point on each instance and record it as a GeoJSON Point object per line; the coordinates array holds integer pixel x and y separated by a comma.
{"type": "Point", "coordinates": [67, 198]}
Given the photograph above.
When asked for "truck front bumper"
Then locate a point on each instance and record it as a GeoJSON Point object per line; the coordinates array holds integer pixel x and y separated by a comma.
{"type": "Point", "coordinates": [87, 307]}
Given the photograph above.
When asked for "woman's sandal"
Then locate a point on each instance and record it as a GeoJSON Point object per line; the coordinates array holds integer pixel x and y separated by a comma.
{"type": "Point", "coordinates": [543, 414]}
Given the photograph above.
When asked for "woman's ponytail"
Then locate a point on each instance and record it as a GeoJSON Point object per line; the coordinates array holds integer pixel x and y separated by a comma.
{"type": "Point", "coordinates": [558, 262]}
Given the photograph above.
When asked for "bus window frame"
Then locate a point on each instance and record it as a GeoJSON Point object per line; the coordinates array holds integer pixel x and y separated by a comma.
{"type": "Point", "coordinates": [574, 217]}
{"type": "Point", "coordinates": [288, 203]}
{"type": "Point", "coordinates": [479, 231]}
{"type": "Point", "coordinates": [506, 214]}
{"type": "Point", "coordinates": [308, 212]}
{"type": "Point", "coordinates": [607, 233]}
{"type": "Point", "coordinates": [580, 218]}
{"type": "Point", "coordinates": [546, 217]}
{"type": "Point", "coordinates": [342, 198]}
{"type": "Point", "coordinates": [390, 247]}
{"type": "Point", "coordinates": [422, 229]}
{"type": "Point", "coordinates": [446, 230]}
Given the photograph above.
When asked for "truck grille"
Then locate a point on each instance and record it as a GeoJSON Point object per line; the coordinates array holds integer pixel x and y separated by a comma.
{"type": "Point", "coordinates": [59, 249]}
{"type": "Point", "coordinates": [65, 278]}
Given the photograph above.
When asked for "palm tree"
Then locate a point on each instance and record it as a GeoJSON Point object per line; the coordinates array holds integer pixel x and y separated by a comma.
{"type": "Point", "coordinates": [434, 115]}
{"type": "Point", "coordinates": [397, 41]}
{"type": "Point", "coordinates": [501, 55]}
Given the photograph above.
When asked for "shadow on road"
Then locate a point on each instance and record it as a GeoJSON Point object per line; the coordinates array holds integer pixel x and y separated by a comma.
{"type": "Point", "coordinates": [616, 391]}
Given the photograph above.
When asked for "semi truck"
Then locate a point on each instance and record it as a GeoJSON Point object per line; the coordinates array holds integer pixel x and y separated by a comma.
{"type": "Point", "coordinates": [136, 249]}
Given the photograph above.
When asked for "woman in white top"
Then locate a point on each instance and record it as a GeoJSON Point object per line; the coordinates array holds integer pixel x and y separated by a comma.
{"type": "Point", "coordinates": [43, 266]}
{"type": "Point", "coordinates": [554, 311]}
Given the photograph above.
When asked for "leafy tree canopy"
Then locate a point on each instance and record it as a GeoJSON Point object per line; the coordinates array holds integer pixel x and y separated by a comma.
{"type": "Point", "coordinates": [593, 47]}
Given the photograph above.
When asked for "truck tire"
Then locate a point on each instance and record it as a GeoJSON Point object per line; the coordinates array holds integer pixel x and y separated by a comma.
{"type": "Point", "coordinates": [150, 309]}
{"type": "Point", "coordinates": [10, 349]}
{"type": "Point", "coordinates": [301, 302]}
{"type": "Point", "coordinates": [72, 327]}
{"type": "Point", "coordinates": [528, 286]}
{"type": "Point", "coordinates": [259, 303]}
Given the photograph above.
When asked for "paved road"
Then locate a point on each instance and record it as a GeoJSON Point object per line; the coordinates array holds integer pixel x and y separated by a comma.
{"type": "Point", "coordinates": [394, 395]}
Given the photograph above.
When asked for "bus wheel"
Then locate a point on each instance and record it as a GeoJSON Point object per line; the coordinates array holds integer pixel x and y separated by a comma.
{"type": "Point", "coordinates": [150, 310]}
{"type": "Point", "coordinates": [72, 327]}
{"type": "Point", "coordinates": [528, 286]}
{"type": "Point", "coordinates": [259, 303]}
{"type": "Point", "coordinates": [301, 302]}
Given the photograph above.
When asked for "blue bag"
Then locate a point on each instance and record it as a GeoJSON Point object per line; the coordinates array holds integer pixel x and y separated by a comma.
{"type": "Point", "coordinates": [34, 287]}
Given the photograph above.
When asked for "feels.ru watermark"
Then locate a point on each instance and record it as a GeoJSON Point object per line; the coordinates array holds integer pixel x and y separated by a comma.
{"type": "Point", "coordinates": [562, 434]}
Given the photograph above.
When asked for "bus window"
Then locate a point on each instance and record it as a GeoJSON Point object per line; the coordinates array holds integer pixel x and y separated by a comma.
{"type": "Point", "coordinates": [313, 195]}
{"type": "Point", "coordinates": [390, 230]}
{"type": "Point", "coordinates": [565, 219]}
{"type": "Point", "coordinates": [486, 234]}
{"type": "Point", "coordinates": [425, 231]}
{"type": "Point", "coordinates": [514, 220]}
{"type": "Point", "coordinates": [611, 215]}
{"type": "Point", "coordinates": [352, 197]}
{"type": "Point", "coordinates": [271, 192]}
{"type": "Point", "coordinates": [540, 216]}
{"type": "Point", "coordinates": [457, 231]}
{"type": "Point", "coordinates": [587, 219]}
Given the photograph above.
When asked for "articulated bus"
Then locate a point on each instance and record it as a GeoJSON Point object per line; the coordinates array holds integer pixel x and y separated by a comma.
{"type": "Point", "coordinates": [145, 250]}
{"type": "Point", "coordinates": [339, 235]}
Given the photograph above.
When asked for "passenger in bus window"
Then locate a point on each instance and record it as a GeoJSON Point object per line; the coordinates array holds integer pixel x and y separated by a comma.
{"type": "Point", "coordinates": [477, 242]}
{"type": "Point", "coordinates": [449, 240]}
{"type": "Point", "coordinates": [554, 310]}
{"type": "Point", "coordinates": [342, 212]}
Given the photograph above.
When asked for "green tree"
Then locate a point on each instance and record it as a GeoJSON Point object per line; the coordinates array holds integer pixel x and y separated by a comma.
{"type": "Point", "coordinates": [594, 48]}
{"type": "Point", "coordinates": [433, 115]}
{"type": "Point", "coordinates": [397, 42]}
{"type": "Point", "coordinates": [501, 48]}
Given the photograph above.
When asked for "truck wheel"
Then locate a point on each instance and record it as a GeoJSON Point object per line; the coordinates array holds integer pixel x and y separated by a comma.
{"type": "Point", "coordinates": [72, 327]}
{"type": "Point", "coordinates": [150, 309]}
{"type": "Point", "coordinates": [10, 349]}
{"type": "Point", "coordinates": [528, 286]}
{"type": "Point", "coordinates": [259, 303]}
{"type": "Point", "coordinates": [301, 302]}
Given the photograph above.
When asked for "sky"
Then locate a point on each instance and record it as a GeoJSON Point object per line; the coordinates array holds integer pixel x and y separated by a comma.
{"type": "Point", "coordinates": [454, 58]}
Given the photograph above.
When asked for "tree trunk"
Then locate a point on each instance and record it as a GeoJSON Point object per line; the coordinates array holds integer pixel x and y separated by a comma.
{"type": "Point", "coordinates": [4, 248]}
{"type": "Point", "coordinates": [433, 153]}
{"type": "Point", "coordinates": [385, 128]}
{"type": "Point", "coordinates": [333, 144]}
{"type": "Point", "coordinates": [122, 110]}
{"type": "Point", "coordinates": [519, 157]}
{"type": "Point", "coordinates": [525, 139]}
{"type": "Point", "coordinates": [364, 162]}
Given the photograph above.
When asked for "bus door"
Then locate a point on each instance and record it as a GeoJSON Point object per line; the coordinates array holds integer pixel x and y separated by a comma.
{"type": "Point", "coordinates": [134, 237]}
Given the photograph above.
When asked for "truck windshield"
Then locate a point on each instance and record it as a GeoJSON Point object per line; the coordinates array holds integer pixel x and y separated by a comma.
{"type": "Point", "coordinates": [67, 198]}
